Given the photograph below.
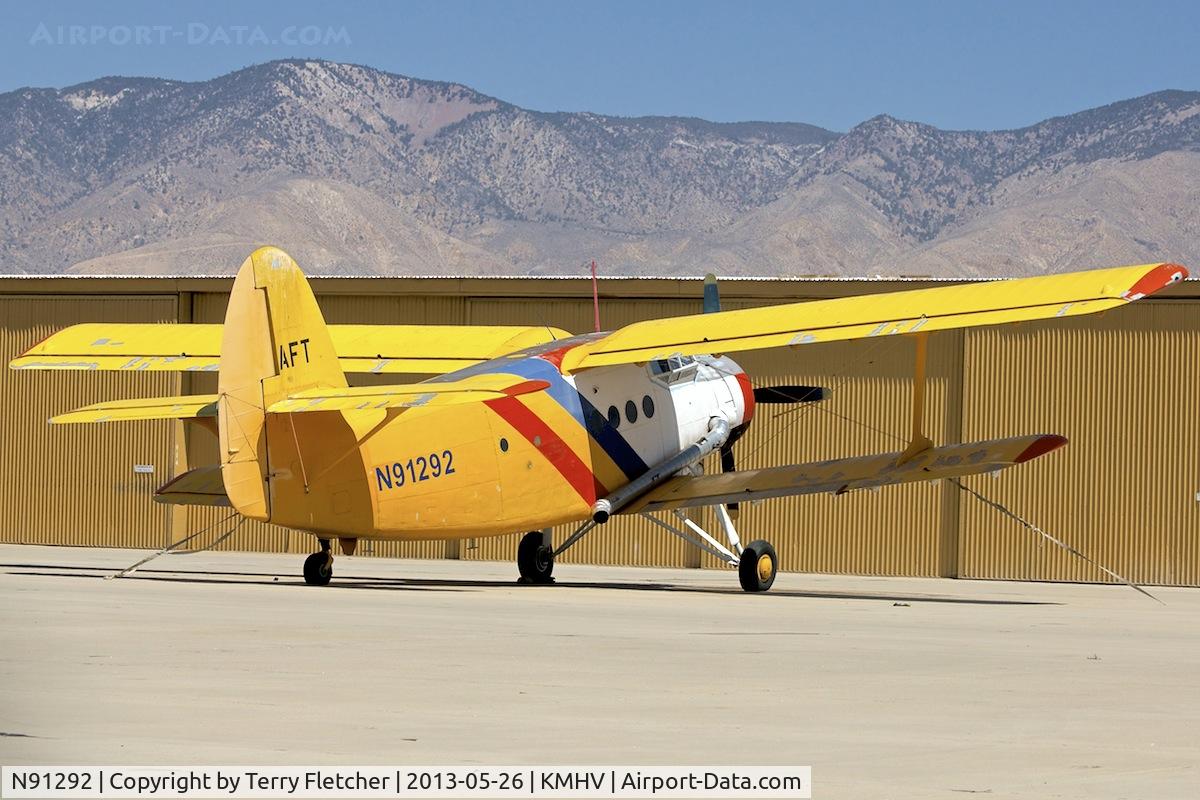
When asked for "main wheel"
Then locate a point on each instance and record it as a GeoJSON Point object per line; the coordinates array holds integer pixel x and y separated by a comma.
{"type": "Point", "coordinates": [757, 567]}
{"type": "Point", "coordinates": [317, 569]}
{"type": "Point", "coordinates": [535, 559]}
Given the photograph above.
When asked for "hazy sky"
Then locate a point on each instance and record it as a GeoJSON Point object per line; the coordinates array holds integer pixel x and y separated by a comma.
{"type": "Point", "coordinates": [835, 64]}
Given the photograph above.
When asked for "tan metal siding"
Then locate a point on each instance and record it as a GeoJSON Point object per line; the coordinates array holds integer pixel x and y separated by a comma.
{"type": "Point", "coordinates": [1122, 387]}
{"type": "Point", "coordinates": [75, 484]}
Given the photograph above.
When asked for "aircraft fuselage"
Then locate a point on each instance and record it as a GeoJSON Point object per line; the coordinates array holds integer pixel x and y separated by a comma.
{"type": "Point", "coordinates": [510, 464]}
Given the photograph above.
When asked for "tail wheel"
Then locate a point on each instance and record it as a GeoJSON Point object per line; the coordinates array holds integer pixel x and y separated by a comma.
{"type": "Point", "coordinates": [535, 559]}
{"type": "Point", "coordinates": [318, 569]}
{"type": "Point", "coordinates": [758, 566]}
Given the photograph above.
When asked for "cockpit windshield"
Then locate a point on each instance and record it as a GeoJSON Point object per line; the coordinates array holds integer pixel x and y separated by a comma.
{"type": "Point", "coordinates": [673, 369]}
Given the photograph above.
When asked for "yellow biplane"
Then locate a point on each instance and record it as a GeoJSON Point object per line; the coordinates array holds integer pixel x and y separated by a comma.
{"type": "Point", "coordinates": [527, 428]}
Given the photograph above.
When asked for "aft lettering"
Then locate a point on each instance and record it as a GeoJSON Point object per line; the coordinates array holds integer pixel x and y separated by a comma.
{"type": "Point", "coordinates": [291, 351]}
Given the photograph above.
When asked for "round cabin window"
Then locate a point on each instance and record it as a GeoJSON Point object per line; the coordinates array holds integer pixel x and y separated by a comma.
{"type": "Point", "coordinates": [614, 417]}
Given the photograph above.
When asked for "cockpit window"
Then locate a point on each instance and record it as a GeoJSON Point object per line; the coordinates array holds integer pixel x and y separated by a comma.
{"type": "Point", "coordinates": [672, 364]}
{"type": "Point", "coordinates": [673, 369]}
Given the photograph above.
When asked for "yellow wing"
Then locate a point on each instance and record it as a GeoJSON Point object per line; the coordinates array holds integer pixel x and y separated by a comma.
{"type": "Point", "coordinates": [409, 349]}
{"type": "Point", "coordinates": [430, 349]}
{"type": "Point", "coordinates": [846, 474]}
{"type": "Point", "coordinates": [126, 346]}
{"type": "Point", "coordinates": [190, 407]}
{"type": "Point", "coordinates": [963, 306]}
{"type": "Point", "coordinates": [470, 390]}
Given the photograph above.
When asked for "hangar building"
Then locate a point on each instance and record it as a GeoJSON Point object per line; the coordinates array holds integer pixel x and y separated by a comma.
{"type": "Point", "coordinates": [1122, 386]}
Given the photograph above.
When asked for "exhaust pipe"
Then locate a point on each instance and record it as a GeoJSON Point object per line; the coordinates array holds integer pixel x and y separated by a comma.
{"type": "Point", "coordinates": [718, 432]}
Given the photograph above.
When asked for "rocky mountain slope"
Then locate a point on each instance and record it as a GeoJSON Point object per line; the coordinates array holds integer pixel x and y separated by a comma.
{"type": "Point", "coordinates": [359, 171]}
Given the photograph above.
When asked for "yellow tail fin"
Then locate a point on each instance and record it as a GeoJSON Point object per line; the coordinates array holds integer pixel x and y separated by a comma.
{"type": "Point", "coordinates": [274, 343]}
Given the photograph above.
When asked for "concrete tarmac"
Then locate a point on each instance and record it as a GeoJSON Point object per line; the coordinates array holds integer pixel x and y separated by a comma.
{"type": "Point", "coordinates": [904, 688]}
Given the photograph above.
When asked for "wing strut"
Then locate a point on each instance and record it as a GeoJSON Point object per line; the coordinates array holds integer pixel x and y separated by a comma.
{"type": "Point", "coordinates": [919, 442]}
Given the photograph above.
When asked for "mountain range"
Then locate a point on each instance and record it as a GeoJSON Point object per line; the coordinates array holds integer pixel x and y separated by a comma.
{"type": "Point", "coordinates": [358, 171]}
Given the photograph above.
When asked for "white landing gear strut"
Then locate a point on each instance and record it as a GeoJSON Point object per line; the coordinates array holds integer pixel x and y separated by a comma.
{"type": "Point", "coordinates": [756, 563]}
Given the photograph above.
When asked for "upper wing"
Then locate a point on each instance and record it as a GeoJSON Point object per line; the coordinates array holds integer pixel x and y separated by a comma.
{"type": "Point", "coordinates": [121, 346]}
{"type": "Point", "coordinates": [430, 349]}
{"type": "Point", "coordinates": [477, 388]}
{"type": "Point", "coordinates": [360, 348]}
{"type": "Point", "coordinates": [845, 474]}
{"type": "Point", "coordinates": [864, 316]}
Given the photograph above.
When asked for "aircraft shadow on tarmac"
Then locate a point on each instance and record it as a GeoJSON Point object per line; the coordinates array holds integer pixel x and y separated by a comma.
{"type": "Point", "coordinates": [447, 585]}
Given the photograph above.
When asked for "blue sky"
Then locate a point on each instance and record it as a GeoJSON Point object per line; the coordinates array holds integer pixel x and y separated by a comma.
{"type": "Point", "coordinates": [953, 64]}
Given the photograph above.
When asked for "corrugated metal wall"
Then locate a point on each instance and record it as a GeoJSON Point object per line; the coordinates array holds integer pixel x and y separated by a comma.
{"type": "Point", "coordinates": [1122, 386]}
{"type": "Point", "coordinates": [76, 484]}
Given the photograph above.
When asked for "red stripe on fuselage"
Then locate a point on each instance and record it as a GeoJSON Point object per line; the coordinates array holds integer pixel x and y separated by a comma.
{"type": "Point", "coordinates": [550, 445]}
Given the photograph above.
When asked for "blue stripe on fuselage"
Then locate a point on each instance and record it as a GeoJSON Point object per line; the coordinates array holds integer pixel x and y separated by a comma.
{"type": "Point", "coordinates": [613, 443]}
{"type": "Point", "coordinates": [578, 406]}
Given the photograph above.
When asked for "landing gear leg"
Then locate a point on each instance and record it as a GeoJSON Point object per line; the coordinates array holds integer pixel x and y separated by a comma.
{"type": "Point", "coordinates": [756, 564]}
{"type": "Point", "coordinates": [535, 558]}
{"type": "Point", "coordinates": [318, 568]}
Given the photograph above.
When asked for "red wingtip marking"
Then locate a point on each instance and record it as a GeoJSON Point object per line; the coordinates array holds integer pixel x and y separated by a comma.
{"type": "Point", "coordinates": [556, 356]}
{"type": "Point", "coordinates": [1043, 445]}
{"type": "Point", "coordinates": [1155, 279]}
{"type": "Point", "coordinates": [526, 387]}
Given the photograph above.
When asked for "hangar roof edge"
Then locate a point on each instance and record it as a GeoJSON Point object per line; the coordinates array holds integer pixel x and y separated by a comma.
{"type": "Point", "coordinates": [760, 278]}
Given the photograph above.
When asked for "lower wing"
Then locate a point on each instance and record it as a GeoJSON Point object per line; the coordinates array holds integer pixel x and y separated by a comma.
{"type": "Point", "coordinates": [846, 474]}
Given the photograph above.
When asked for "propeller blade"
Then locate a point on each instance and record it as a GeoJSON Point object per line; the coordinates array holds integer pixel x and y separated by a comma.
{"type": "Point", "coordinates": [727, 461]}
{"type": "Point", "coordinates": [790, 394]}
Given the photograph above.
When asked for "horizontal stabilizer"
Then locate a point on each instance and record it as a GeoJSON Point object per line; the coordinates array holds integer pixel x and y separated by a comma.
{"type": "Point", "coordinates": [846, 474]}
{"type": "Point", "coordinates": [201, 486]}
{"type": "Point", "coordinates": [365, 398]}
{"type": "Point", "coordinates": [194, 406]}
{"type": "Point", "coordinates": [171, 347]}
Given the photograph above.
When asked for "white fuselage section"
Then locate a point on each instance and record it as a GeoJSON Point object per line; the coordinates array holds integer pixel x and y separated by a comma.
{"type": "Point", "coordinates": [662, 407]}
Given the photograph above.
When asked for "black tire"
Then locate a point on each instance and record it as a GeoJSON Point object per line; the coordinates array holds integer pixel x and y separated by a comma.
{"type": "Point", "coordinates": [535, 559]}
{"type": "Point", "coordinates": [758, 566]}
{"type": "Point", "coordinates": [317, 569]}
